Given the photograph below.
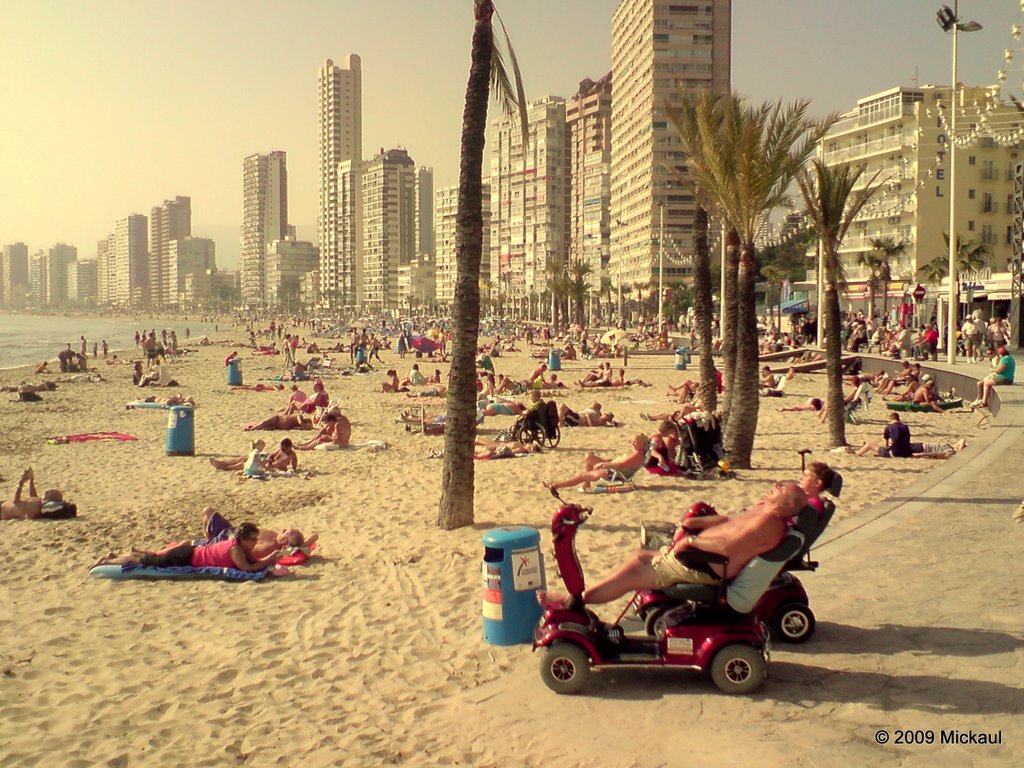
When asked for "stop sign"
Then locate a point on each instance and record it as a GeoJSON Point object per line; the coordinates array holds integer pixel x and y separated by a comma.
{"type": "Point", "coordinates": [919, 292]}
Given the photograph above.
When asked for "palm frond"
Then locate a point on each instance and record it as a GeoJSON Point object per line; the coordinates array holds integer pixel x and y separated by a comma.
{"type": "Point", "coordinates": [518, 103]}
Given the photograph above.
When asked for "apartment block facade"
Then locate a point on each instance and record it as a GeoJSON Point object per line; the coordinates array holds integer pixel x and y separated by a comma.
{"type": "Point", "coordinates": [589, 116]}
{"type": "Point", "coordinates": [14, 274]}
{"type": "Point", "coordinates": [901, 134]}
{"type": "Point", "coordinates": [288, 263]}
{"type": "Point", "coordinates": [82, 281]}
{"type": "Point", "coordinates": [446, 206]}
{"type": "Point", "coordinates": [167, 223]}
{"type": "Point", "coordinates": [60, 261]}
{"type": "Point", "coordinates": [530, 199]}
{"type": "Point", "coordinates": [389, 225]}
{"type": "Point", "coordinates": [187, 256]}
{"type": "Point", "coordinates": [659, 50]}
{"type": "Point", "coordinates": [264, 219]}
{"type": "Point", "coordinates": [340, 153]}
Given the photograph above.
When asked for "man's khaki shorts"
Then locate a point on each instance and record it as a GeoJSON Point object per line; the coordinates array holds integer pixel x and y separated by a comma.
{"type": "Point", "coordinates": [669, 570]}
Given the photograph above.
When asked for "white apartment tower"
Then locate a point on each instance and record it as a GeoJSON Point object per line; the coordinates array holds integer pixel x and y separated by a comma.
{"type": "Point", "coordinates": [264, 219]}
{"type": "Point", "coordinates": [340, 129]}
{"type": "Point", "coordinates": [446, 207]}
{"type": "Point", "coordinates": [187, 256]}
{"type": "Point", "coordinates": [60, 261]}
{"type": "Point", "coordinates": [589, 116]}
{"type": "Point", "coordinates": [167, 223]}
{"type": "Point", "coordinates": [128, 262]}
{"type": "Point", "coordinates": [424, 211]}
{"type": "Point", "coordinates": [389, 225]}
{"type": "Point", "coordinates": [530, 198]}
{"type": "Point", "coordinates": [899, 133]}
{"type": "Point", "coordinates": [14, 273]}
{"type": "Point", "coordinates": [657, 49]}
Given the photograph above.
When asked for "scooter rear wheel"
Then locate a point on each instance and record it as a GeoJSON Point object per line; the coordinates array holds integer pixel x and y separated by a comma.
{"type": "Point", "coordinates": [794, 623]}
{"type": "Point", "coordinates": [738, 669]}
{"type": "Point", "coordinates": [564, 668]}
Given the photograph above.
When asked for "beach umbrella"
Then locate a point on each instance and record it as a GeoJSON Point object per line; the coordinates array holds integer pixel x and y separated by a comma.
{"type": "Point", "coordinates": [423, 344]}
{"type": "Point", "coordinates": [612, 337]}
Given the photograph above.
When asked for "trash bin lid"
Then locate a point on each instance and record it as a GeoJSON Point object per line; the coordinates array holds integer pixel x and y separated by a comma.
{"type": "Point", "coordinates": [512, 537]}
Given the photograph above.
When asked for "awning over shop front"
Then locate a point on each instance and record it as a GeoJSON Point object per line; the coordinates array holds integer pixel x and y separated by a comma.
{"type": "Point", "coordinates": [794, 307]}
{"type": "Point", "coordinates": [999, 296]}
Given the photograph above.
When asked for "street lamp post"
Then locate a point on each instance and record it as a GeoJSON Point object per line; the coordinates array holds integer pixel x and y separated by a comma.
{"type": "Point", "coordinates": [950, 21]}
{"type": "Point", "coordinates": [661, 265]}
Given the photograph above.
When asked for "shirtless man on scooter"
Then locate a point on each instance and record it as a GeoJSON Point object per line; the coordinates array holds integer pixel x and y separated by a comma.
{"type": "Point", "coordinates": [741, 538]}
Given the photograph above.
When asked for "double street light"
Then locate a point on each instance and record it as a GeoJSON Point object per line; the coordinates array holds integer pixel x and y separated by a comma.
{"type": "Point", "coordinates": [949, 19]}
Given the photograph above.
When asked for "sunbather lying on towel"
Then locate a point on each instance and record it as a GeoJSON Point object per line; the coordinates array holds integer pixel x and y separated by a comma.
{"type": "Point", "coordinates": [279, 421]}
{"type": "Point", "coordinates": [216, 528]}
{"type": "Point", "coordinates": [235, 552]}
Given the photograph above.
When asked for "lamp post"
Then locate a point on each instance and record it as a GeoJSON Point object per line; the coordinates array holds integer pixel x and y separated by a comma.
{"type": "Point", "coordinates": [661, 264]}
{"type": "Point", "coordinates": [950, 21]}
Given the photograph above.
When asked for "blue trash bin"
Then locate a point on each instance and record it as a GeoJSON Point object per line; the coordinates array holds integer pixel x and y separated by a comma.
{"type": "Point", "coordinates": [181, 432]}
{"type": "Point", "coordinates": [682, 358]}
{"type": "Point", "coordinates": [513, 571]}
{"type": "Point", "coordinates": [555, 360]}
{"type": "Point", "coordinates": [360, 355]}
{"type": "Point", "coordinates": [235, 372]}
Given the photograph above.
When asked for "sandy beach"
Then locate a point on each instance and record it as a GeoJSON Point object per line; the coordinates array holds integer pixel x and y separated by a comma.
{"type": "Point", "coordinates": [372, 653]}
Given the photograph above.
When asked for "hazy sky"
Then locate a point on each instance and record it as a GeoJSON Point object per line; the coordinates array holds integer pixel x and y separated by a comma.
{"type": "Point", "coordinates": [112, 106]}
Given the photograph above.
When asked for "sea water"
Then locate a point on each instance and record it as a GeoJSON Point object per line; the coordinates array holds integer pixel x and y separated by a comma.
{"type": "Point", "coordinates": [28, 339]}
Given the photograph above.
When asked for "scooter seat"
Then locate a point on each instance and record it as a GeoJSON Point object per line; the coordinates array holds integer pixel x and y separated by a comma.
{"type": "Point", "coordinates": [706, 594]}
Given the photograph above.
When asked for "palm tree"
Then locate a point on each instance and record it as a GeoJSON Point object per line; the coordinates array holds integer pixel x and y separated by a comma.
{"type": "Point", "coordinates": [745, 159]}
{"type": "Point", "coordinates": [579, 271]}
{"type": "Point", "coordinates": [703, 308]}
{"type": "Point", "coordinates": [832, 205]}
{"type": "Point", "coordinates": [972, 257]}
{"type": "Point", "coordinates": [486, 72]}
{"type": "Point", "coordinates": [874, 261]}
{"type": "Point", "coordinates": [889, 248]}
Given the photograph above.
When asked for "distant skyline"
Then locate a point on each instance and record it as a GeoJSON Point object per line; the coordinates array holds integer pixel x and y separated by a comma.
{"type": "Point", "coordinates": [113, 107]}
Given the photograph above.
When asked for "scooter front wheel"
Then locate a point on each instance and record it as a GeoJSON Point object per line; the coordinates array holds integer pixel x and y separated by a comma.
{"type": "Point", "coordinates": [738, 668]}
{"type": "Point", "coordinates": [794, 623]}
{"type": "Point", "coordinates": [564, 668]}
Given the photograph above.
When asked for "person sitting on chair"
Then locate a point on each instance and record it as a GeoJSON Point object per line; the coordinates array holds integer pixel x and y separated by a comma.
{"type": "Point", "coordinates": [740, 538]}
{"type": "Point", "coordinates": [610, 470]}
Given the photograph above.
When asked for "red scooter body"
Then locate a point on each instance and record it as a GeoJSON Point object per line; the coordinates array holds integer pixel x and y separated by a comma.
{"type": "Point", "coordinates": [733, 647]}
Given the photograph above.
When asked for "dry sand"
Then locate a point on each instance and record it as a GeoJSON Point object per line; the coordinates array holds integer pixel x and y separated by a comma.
{"type": "Point", "coordinates": [372, 653]}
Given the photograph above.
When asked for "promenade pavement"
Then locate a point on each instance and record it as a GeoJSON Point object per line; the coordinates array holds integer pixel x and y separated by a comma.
{"type": "Point", "coordinates": [918, 654]}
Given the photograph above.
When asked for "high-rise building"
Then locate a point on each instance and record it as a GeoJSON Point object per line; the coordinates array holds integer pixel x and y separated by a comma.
{"type": "Point", "coordinates": [167, 223]}
{"type": "Point", "coordinates": [264, 219]}
{"type": "Point", "coordinates": [589, 116]}
{"type": "Point", "coordinates": [82, 281]}
{"type": "Point", "coordinates": [105, 278]}
{"type": "Point", "coordinates": [187, 256]}
{"type": "Point", "coordinates": [288, 262]}
{"type": "Point", "coordinates": [37, 277]}
{"type": "Point", "coordinates": [389, 225]}
{"type": "Point", "coordinates": [900, 135]}
{"type": "Point", "coordinates": [58, 263]}
{"type": "Point", "coordinates": [530, 199]}
{"type": "Point", "coordinates": [446, 206]}
{"type": "Point", "coordinates": [341, 150]}
{"type": "Point", "coordinates": [658, 50]}
{"type": "Point", "coordinates": [128, 262]}
{"type": "Point", "coordinates": [424, 210]}
{"type": "Point", "coordinates": [14, 274]}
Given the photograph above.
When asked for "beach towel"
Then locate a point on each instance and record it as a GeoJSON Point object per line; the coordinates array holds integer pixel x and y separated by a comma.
{"type": "Point", "coordinates": [610, 488]}
{"type": "Point", "coordinates": [90, 437]}
{"type": "Point", "coordinates": [135, 571]}
{"type": "Point", "coordinates": [143, 404]}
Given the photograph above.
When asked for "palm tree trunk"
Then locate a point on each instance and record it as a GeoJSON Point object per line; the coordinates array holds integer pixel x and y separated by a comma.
{"type": "Point", "coordinates": [457, 474]}
{"type": "Point", "coordinates": [744, 403]}
{"type": "Point", "coordinates": [703, 309]}
{"type": "Point", "coordinates": [729, 319]}
{"type": "Point", "coordinates": [834, 365]}
{"type": "Point", "coordinates": [871, 295]}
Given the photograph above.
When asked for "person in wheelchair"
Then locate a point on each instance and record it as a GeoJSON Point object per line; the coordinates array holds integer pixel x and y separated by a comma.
{"type": "Point", "coordinates": [739, 538]}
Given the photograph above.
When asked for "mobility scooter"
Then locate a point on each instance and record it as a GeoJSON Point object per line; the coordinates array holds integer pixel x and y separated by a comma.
{"type": "Point", "coordinates": [784, 607]}
{"type": "Point", "coordinates": [713, 629]}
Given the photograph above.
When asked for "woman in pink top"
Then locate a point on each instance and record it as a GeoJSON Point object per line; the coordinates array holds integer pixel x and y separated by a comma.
{"type": "Point", "coordinates": [235, 552]}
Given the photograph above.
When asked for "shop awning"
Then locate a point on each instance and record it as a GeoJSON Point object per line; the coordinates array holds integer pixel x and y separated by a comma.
{"type": "Point", "coordinates": [999, 296]}
{"type": "Point", "coordinates": [794, 307]}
